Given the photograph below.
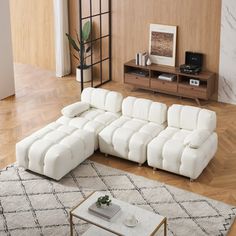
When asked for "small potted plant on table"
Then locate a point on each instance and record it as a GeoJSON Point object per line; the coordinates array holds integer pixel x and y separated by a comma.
{"type": "Point", "coordinates": [82, 50]}
{"type": "Point", "coordinates": [103, 201]}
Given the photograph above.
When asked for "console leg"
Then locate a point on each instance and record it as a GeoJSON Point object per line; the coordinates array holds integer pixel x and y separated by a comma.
{"type": "Point", "coordinates": [154, 170]}
{"type": "Point", "coordinates": [140, 164]}
{"type": "Point", "coordinates": [191, 180]}
{"type": "Point", "coordinates": [198, 102]}
{"type": "Point", "coordinates": [106, 155]}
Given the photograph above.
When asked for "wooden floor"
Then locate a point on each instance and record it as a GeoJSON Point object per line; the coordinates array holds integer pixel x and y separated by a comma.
{"type": "Point", "coordinates": [40, 97]}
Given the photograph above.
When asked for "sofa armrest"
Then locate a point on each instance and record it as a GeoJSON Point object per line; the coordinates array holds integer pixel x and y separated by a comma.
{"type": "Point", "coordinates": [197, 138]}
{"type": "Point", "coordinates": [75, 109]}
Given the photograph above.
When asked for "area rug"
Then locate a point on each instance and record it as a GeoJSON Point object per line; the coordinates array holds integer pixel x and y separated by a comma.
{"type": "Point", "coordinates": [34, 205]}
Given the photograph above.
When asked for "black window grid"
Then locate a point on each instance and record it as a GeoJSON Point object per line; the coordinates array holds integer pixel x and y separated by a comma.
{"type": "Point", "coordinates": [100, 38]}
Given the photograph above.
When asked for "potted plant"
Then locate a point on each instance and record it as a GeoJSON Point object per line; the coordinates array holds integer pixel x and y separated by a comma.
{"type": "Point", "coordinates": [103, 201]}
{"type": "Point", "coordinates": [82, 51]}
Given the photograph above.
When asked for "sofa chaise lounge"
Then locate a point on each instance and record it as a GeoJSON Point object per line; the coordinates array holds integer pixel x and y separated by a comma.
{"type": "Point", "coordinates": [62, 145]}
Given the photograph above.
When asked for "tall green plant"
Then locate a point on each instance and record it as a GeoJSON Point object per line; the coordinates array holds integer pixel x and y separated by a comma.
{"type": "Point", "coordinates": [81, 48]}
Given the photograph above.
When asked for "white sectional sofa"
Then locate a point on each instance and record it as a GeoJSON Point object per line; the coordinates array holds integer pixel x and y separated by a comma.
{"type": "Point", "coordinates": [127, 137]}
{"type": "Point", "coordinates": [181, 140]}
{"type": "Point", "coordinates": [188, 143]}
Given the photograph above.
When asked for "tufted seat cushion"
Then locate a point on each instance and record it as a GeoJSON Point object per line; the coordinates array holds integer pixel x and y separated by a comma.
{"type": "Point", "coordinates": [55, 150]}
{"type": "Point", "coordinates": [93, 120]}
{"type": "Point", "coordinates": [188, 143]}
{"type": "Point", "coordinates": [128, 136]}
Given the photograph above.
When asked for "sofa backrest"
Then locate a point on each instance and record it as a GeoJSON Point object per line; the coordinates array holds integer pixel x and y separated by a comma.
{"type": "Point", "coordinates": [190, 118]}
{"type": "Point", "coordinates": [144, 109]}
{"type": "Point", "coordinates": [102, 99]}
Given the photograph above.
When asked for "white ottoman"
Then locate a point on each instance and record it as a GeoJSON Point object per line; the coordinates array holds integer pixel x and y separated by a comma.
{"type": "Point", "coordinates": [55, 150]}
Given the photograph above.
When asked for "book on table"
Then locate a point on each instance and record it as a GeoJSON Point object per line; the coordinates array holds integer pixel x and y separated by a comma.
{"type": "Point", "coordinates": [141, 58]}
{"type": "Point", "coordinates": [106, 213]}
{"type": "Point", "coordinates": [167, 77]}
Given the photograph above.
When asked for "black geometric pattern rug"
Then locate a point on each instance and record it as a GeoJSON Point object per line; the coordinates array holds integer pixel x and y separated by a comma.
{"type": "Point", "coordinates": [34, 205]}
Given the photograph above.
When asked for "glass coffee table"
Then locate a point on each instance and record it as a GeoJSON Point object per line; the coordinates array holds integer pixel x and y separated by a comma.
{"type": "Point", "coordinates": [148, 222]}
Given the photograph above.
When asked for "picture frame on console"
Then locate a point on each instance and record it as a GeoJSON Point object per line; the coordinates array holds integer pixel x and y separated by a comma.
{"type": "Point", "coordinates": [162, 44]}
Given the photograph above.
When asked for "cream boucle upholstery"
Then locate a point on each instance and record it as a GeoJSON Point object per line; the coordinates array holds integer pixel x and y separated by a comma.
{"type": "Point", "coordinates": [188, 143]}
{"type": "Point", "coordinates": [128, 136]}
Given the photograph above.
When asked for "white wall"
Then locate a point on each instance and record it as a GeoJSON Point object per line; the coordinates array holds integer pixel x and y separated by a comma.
{"type": "Point", "coordinates": [227, 70]}
{"type": "Point", "coordinates": [7, 86]}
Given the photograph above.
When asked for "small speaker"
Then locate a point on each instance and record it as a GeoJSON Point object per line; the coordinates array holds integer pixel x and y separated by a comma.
{"type": "Point", "coordinates": [194, 82]}
{"type": "Point", "coordinates": [194, 58]}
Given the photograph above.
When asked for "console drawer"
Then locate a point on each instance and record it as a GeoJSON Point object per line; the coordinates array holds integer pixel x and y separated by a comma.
{"type": "Point", "coordinates": [137, 80]}
{"type": "Point", "coordinates": [194, 92]}
{"type": "Point", "coordinates": [164, 85]}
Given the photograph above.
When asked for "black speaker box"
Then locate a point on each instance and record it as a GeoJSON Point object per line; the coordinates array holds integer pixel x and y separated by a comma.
{"type": "Point", "coordinates": [194, 58]}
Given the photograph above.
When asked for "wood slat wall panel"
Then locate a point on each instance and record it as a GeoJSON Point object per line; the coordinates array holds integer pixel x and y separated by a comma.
{"type": "Point", "coordinates": [32, 24]}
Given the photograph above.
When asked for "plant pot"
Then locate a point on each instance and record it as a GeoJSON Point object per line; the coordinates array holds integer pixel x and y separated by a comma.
{"type": "Point", "coordinates": [86, 74]}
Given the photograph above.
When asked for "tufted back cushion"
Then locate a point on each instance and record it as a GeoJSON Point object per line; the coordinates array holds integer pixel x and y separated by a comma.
{"type": "Point", "coordinates": [102, 99]}
{"type": "Point", "coordinates": [190, 118]}
{"type": "Point", "coordinates": [144, 109]}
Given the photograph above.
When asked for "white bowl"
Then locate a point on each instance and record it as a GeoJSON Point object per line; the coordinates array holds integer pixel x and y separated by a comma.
{"type": "Point", "coordinates": [130, 223]}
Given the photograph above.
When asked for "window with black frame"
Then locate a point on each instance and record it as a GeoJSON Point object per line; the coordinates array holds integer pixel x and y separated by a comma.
{"type": "Point", "coordinates": [98, 60]}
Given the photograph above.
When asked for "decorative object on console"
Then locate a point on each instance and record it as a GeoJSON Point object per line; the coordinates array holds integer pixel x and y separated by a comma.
{"type": "Point", "coordinates": [162, 44]}
{"type": "Point", "coordinates": [193, 63]}
{"type": "Point", "coordinates": [149, 62]}
{"type": "Point", "coordinates": [194, 82]}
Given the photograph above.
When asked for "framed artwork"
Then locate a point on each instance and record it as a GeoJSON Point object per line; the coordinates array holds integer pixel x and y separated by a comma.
{"type": "Point", "coordinates": [162, 44]}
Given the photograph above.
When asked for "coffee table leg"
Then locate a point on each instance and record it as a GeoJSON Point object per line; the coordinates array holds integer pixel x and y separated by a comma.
{"type": "Point", "coordinates": [165, 226]}
{"type": "Point", "coordinates": [71, 225]}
